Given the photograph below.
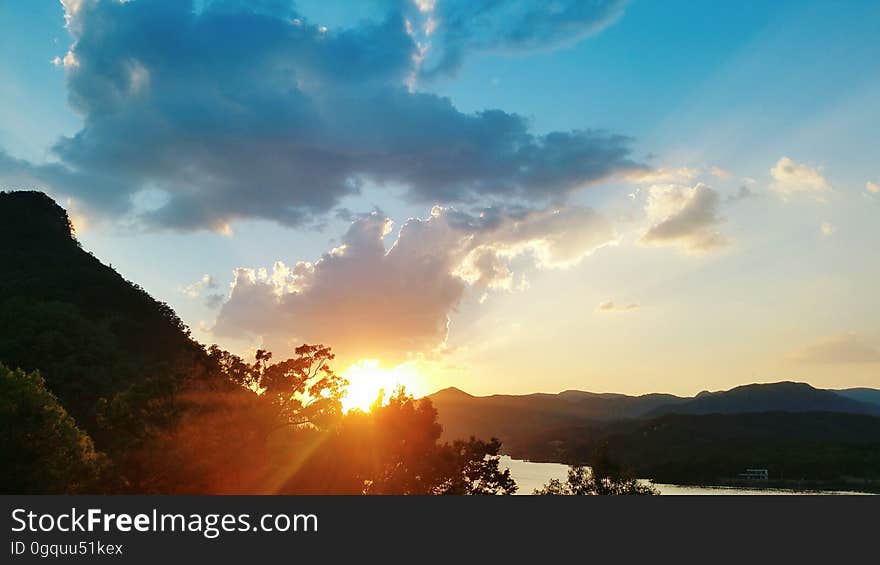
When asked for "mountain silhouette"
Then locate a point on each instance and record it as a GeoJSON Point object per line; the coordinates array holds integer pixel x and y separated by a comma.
{"type": "Point", "coordinates": [518, 419]}
{"type": "Point", "coordinates": [100, 341]}
{"type": "Point", "coordinates": [862, 394]}
{"type": "Point", "coordinates": [511, 417]}
{"type": "Point", "coordinates": [773, 397]}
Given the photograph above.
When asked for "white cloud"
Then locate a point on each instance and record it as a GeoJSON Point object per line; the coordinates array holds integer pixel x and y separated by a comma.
{"type": "Point", "coordinates": [371, 302]}
{"type": "Point", "coordinates": [685, 217]}
{"type": "Point", "coordinates": [792, 179]}
{"type": "Point", "coordinates": [872, 187]}
{"type": "Point", "coordinates": [664, 175]}
{"type": "Point", "coordinates": [69, 61]}
{"type": "Point", "coordinates": [194, 290]}
{"type": "Point", "coordinates": [722, 174]}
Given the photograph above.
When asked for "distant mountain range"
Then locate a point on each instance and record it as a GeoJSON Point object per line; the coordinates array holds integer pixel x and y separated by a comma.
{"type": "Point", "coordinates": [509, 416]}
{"type": "Point", "coordinates": [772, 397]}
{"type": "Point", "coordinates": [806, 437]}
{"type": "Point", "coordinates": [512, 418]}
{"type": "Point", "coordinates": [869, 395]}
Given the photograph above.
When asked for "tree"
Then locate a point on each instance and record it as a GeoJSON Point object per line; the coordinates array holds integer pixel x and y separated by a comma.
{"type": "Point", "coordinates": [44, 451]}
{"type": "Point", "coordinates": [472, 468]}
{"type": "Point", "coordinates": [604, 477]}
{"type": "Point", "coordinates": [394, 449]}
{"type": "Point", "coordinates": [304, 389]}
{"type": "Point", "coordinates": [247, 436]}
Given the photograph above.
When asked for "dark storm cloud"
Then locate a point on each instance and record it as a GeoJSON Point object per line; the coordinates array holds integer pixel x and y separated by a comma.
{"type": "Point", "coordinates": [248, 110]}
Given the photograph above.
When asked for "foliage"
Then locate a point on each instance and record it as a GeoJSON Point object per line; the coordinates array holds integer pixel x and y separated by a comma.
{"type": "Point", "coordinates": [714, 448]}
{"type": "Point", "coordinates": [43, 449]}
{"type": "Point", "coordinates": [216, 445]}
{"type": "Point", "coordinates": [472, 467]}
{"type": "Point", "coordinates": [394, 449]}
{"type": "Point", "coordinates": [239, 438]}
{"type": "Point", "coordinates": [303, 389]}
{"type": "Point", "coordinates": [605, 477]}
{"type": "Point", "coordinates": [281, 430]}
{"type": "Point", "coordinates": [92, 334]}
{"type": "Point", "coordinates": [174, 417]}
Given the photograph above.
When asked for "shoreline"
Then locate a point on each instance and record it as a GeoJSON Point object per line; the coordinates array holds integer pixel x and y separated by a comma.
{"type": "Point", "coordinates": [801, 486]}
{"type": "Point", "coordinates": [806, 486]}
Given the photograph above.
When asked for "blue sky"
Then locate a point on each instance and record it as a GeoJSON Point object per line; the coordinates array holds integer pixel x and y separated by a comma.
{"type": "Point", "coordinates": [735, 217]}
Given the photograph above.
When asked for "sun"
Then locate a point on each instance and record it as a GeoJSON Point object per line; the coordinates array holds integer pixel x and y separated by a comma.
{"type": "Point", "coordinates": [368, 380]}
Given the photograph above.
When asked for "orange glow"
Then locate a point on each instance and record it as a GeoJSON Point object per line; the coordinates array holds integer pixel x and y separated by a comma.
{"type": "Point", "coordinates": [368, 380]}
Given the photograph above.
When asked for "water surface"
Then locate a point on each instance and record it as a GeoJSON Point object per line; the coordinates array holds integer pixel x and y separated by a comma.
{"type": "Point", "coordinates": [530, 476]}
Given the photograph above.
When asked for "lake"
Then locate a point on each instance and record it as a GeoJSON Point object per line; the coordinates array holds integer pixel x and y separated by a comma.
{"type": "Point", "coordinates": [530, 476]}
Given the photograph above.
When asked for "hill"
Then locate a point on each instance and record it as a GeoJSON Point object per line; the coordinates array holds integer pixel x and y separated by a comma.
{"type": "Point", "coordinates": [103, 345]}
{"type": "Point", "coordinates": [869, 395]}
{"type": "Point", "coordinates": [513, 417]}
{"type": "Point", "coordinates": [773, 397]}
{"type": "Point", "coordinates": [518, 420]}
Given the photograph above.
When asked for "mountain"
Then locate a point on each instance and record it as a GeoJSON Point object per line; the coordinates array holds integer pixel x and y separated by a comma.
{"type": "Point", "coordinates": [805, 437]}
{"type": "Point", "coordinates": [512, 417]}
{"type": "Point", "coordinates": [773, 397]}
{"type": "Point", "coordinates": [525, 420]}
{"type": "Point", "coordinates": [104, 346]}
{"type": "Point", "coordinates": [869, 395]}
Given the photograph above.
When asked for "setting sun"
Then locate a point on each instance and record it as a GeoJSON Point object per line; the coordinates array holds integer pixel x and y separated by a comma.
{"type": "Point", "coordinates": [368, 380]}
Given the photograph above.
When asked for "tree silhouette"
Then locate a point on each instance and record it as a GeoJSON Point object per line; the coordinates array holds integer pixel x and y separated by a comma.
{"type": "Point", "coordinates": [472, 467]}
{"type": "Point", "coordinates": [43, 449]}
{"type": "Point", "coordinates": [394, 449]}
{"type": "Point", "coordinates": [304, 389]}
{"type": "Point", "coordinates": [604, 477]}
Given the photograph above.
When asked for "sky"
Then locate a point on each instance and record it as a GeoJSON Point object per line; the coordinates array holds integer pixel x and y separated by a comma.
{"type": "Point", "coordinates": [504, 197]}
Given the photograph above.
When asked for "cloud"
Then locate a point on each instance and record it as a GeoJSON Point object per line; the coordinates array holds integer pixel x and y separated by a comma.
{"type": "Point", "coordinates": [373, 302]}
{"type": "Point", "coordinates": [684, 217]}
{"type": "Point", "coordinates": [214, 300]}
{"type": "Point", "coordinates": [611, 306]}
{"type": "Point", "coordinates": [664, 175]}
{"type": "Point", "coordinates": [744, 193]}
{"type": "Point", "coordinates": [722, 174]}
{"type": "Point", "coordinates": [291, 117]}
{"type": "Point", "coordinates": [794, 179]}
{"type": "Point", "coordinates": [872, 187]}
{"type": "Point", "coordinates": [676, 175]}
{"type": "Point", "coordinates": [827, 229]}
{"type": "Point", "coordinates": [202, 288]}
{"type": "Point", "coordinates": [195, 289]}
{"type": "Point", "coordinates": [840, 349]}
{"type": "Point", "coordinates": [450, 29]}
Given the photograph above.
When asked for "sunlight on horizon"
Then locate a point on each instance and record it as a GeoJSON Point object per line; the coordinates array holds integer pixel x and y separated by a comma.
{"type": "Point", "coordinates": [368, 380]}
